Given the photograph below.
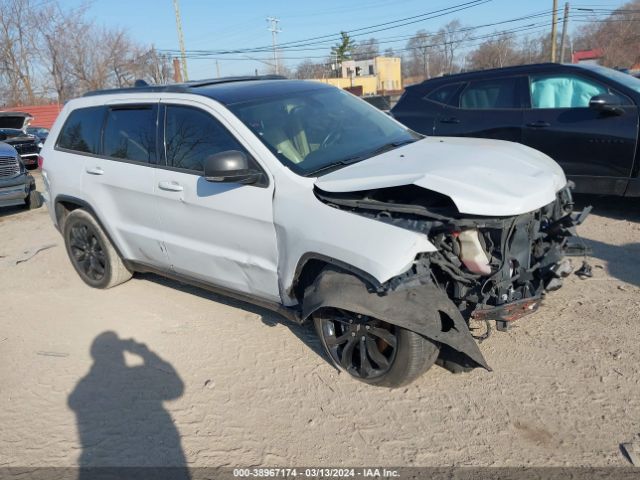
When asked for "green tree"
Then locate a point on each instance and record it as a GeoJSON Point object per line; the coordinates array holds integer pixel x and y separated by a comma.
{"type": "Point", "coordinates": [344, 49]}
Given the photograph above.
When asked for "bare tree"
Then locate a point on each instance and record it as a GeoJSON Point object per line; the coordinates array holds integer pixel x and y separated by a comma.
{"type": "Point", "coordinates": [420, 47]}
{"type": "Point", "coordinates": [61, 53]}
{"type": "Point", "coordinates": [495, 52]}
{"type": "Point", "coordinates": [366, 49]}
{"type": "Point", "coordinates": [154, 67]}
{"type": "Point", "coordinates": [452, 35]}
{"type": "Point", "coordinates": [17, 51]}
{"type": "Point", "coordinates": [426, 56]}
{"type": "Point", "coordinates": [310, 69]}
{"type": "Point", "coordinates": [54, 47]}
{"type": "Point", "coordinates": [618, 36]}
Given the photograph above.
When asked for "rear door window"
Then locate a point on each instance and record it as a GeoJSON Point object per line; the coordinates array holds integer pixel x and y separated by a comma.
{"type": "Point", "coordinates": [498, 93]}
{"type": "Point", "coordinates": [130, 133]}
{"type": "Point", "coordinates": [192, 135]}
{"type": "Point", "coordinates": [81, 131]}
{"type": "Point", "coordinates": [444, 94]}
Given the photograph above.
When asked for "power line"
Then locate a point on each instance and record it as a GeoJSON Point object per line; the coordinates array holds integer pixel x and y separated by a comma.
{"type": "Point", "coordinates": [520, 30]}
{"type": "Point", "coordinates": [323, 44]}
{"type": "Point", "coordinates": [392, 40]}
{"type": "Point", "coordinates": [370, 29]}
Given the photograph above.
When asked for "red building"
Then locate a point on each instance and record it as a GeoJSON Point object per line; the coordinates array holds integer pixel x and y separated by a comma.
{"type": "Point", "coordinates": [587, 56]}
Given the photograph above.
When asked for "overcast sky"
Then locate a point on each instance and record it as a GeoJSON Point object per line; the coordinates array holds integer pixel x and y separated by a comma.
{"type": "Point", "coordinates": [216, 25]}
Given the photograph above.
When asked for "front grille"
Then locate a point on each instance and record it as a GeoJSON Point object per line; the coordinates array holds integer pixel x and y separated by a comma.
{"type": "Point", "coordinates": [9, 167]}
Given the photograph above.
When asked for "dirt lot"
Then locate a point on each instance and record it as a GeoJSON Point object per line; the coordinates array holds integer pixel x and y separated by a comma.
{"type": "Point", "coordinates": [225, 383]}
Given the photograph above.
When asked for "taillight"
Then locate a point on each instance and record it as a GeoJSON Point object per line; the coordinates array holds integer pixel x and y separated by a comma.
{"type": "Point", "coordinates": [40, 161]}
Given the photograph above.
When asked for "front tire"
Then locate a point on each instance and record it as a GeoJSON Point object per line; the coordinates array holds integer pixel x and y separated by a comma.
{"type": "Point", "coordinates": [91, 253]}
{"type": "Point", "coordinates": [373, 351]}
{"type": "Point", "coordinates": [33, 200]}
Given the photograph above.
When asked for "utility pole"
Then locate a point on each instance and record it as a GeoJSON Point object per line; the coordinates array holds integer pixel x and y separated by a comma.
{"type": "Point", "coordinates": [563, 40]}
{"type": "Point", "coordinates": [273, 28]}
{"type": "Point", "coordinates": [217, 68]}
{"type": "Point", "coordinates": [181, 41]}
{"type": "Point", "coordinates": [554, 31]}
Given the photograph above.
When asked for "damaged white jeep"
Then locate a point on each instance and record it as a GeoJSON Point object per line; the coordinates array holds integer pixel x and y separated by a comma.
{"type": "Point", "coordinates": [304, 199]}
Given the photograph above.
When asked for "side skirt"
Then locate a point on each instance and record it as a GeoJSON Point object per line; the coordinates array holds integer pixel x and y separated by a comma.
{"type": "Point", "coordinates": [292, 314]}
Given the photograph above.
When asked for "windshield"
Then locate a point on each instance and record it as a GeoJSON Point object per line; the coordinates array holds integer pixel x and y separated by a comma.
{"type": "Point", "coordinates": [625, 79]}
{"type": "Point", "coordinates": [314, 131]}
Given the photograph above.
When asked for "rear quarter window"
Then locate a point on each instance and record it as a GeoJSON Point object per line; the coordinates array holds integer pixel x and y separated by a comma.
{"type": "Point", "coordinates": [443, 94]}
{"type": "Point", "coordinates": [81, 131]}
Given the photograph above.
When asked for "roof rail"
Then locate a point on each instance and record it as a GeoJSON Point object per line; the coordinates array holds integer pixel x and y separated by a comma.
{"type": "Point", "coordinates": [142, 86]}
{"type": "Point", "coordinates": [178, 88]}
{"type": "Point", "coordinates": [214, 81]}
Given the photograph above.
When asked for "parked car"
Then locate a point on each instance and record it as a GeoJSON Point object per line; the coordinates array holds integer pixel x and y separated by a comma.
{"type": "Point", "coordinates": [585, 117]}
{"type": "Point", "coordinates": [13, 130]}
{"type": "Point", "coordinates": [381, 102]}
{"type": "Point", "coordinates": [304, 199]}
{"type": "Point", "coordinates": [17, 187]}
{"type": "Point", "coordinates": [40, 132]}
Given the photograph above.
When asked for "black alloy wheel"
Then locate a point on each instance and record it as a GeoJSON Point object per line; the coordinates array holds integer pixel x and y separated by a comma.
{"type": "Point", "coordinates": [87, 252]}
{"type": "Point", "coordinates": [363, 346]}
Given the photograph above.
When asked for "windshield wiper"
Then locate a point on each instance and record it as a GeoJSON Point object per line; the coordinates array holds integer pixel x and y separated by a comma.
{"type": "Point", "coordinates": [332, 165]}
{"type": "Point", "coordinates": [390, 146]}
{"type": "Point", "coordinates": [356, 158]}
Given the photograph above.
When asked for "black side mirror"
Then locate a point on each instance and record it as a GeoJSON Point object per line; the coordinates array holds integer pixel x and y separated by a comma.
{"type": "Point", "coordinates": [231, 166]}
{"type": "Point", "coordinates": [606, 102]}
{"type": "Point", "coordinates": [3, 136]}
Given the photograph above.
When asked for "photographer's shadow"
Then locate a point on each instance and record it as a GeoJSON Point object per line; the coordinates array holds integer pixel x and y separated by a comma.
{"type": "Point", "coordinates": [120, 414]}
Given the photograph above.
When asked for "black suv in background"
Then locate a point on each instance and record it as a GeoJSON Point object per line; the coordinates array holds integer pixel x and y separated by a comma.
{"type": "Point", "coordinates": [13, 131]}
{"type": "Point", "coordinates": [585, 117]}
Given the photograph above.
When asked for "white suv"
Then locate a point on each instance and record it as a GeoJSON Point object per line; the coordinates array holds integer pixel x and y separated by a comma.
{"type": "Point", "coordinates": [302, 198]}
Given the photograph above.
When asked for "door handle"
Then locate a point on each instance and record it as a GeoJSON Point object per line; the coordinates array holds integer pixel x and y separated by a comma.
{"type": "Point", "coordinates": [539, 124]}
{"type": "Point", "coordinates": [170, 186]}
{"type": "Point", "coordinates": [450, 120]}
{"type": "Point", "coordinates": [95, 171]}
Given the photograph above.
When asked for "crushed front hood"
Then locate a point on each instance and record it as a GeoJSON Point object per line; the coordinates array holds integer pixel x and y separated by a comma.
{"type": "Point", "coordinates": [482, 177]}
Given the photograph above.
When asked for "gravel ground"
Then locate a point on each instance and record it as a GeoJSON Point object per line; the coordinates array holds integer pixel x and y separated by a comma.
{"type": "Point", "coordinates": [154, 372]}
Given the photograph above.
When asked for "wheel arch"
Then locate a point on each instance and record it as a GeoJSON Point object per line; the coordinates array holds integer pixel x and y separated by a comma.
{"type": "Point", "coordinates": [65, 204]}
{"type": "Point", "coordinates": [311, 265]}
{"type": "Point", "coordinates": [424, 309]}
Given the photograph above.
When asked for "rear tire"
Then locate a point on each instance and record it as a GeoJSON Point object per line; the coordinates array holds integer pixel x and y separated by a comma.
{"type": "Point", "coordinates": [91, 253]}
{"type": "Point", "coordinates": [344, 334]}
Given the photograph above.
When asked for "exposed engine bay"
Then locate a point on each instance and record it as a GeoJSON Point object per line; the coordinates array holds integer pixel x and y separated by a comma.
{"type": "Point", "coordinates": [491, 268]}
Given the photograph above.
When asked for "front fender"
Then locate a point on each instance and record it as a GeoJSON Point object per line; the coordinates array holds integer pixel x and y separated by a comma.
{"type": "Point", "coordinates": [424, 309]}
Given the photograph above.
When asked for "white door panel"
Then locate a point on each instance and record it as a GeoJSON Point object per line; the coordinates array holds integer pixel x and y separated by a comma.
{"type": "Point", "coordinates": [123, 196]}
{"type": "Point", "coordinates": [219, 233]}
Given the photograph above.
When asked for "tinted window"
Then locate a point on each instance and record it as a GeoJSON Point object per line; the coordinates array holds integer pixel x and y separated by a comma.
{"type": "Point", "coordinates": [563, 91]}
{"type": "Point", "coordinates": [443, 94]}
{"type": "Point", "coordinates": [193, 135]}
{"type": "Point", "coordinates": [130, 134]}
{"type": "Point", "coordinates": [81, 131]}
{"type": "Point", "coordinates": [320, 129]}
{"type": "Point", "coordinates": [629, 81]}
{"type": "Point", "coordinates": [488, 94]}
